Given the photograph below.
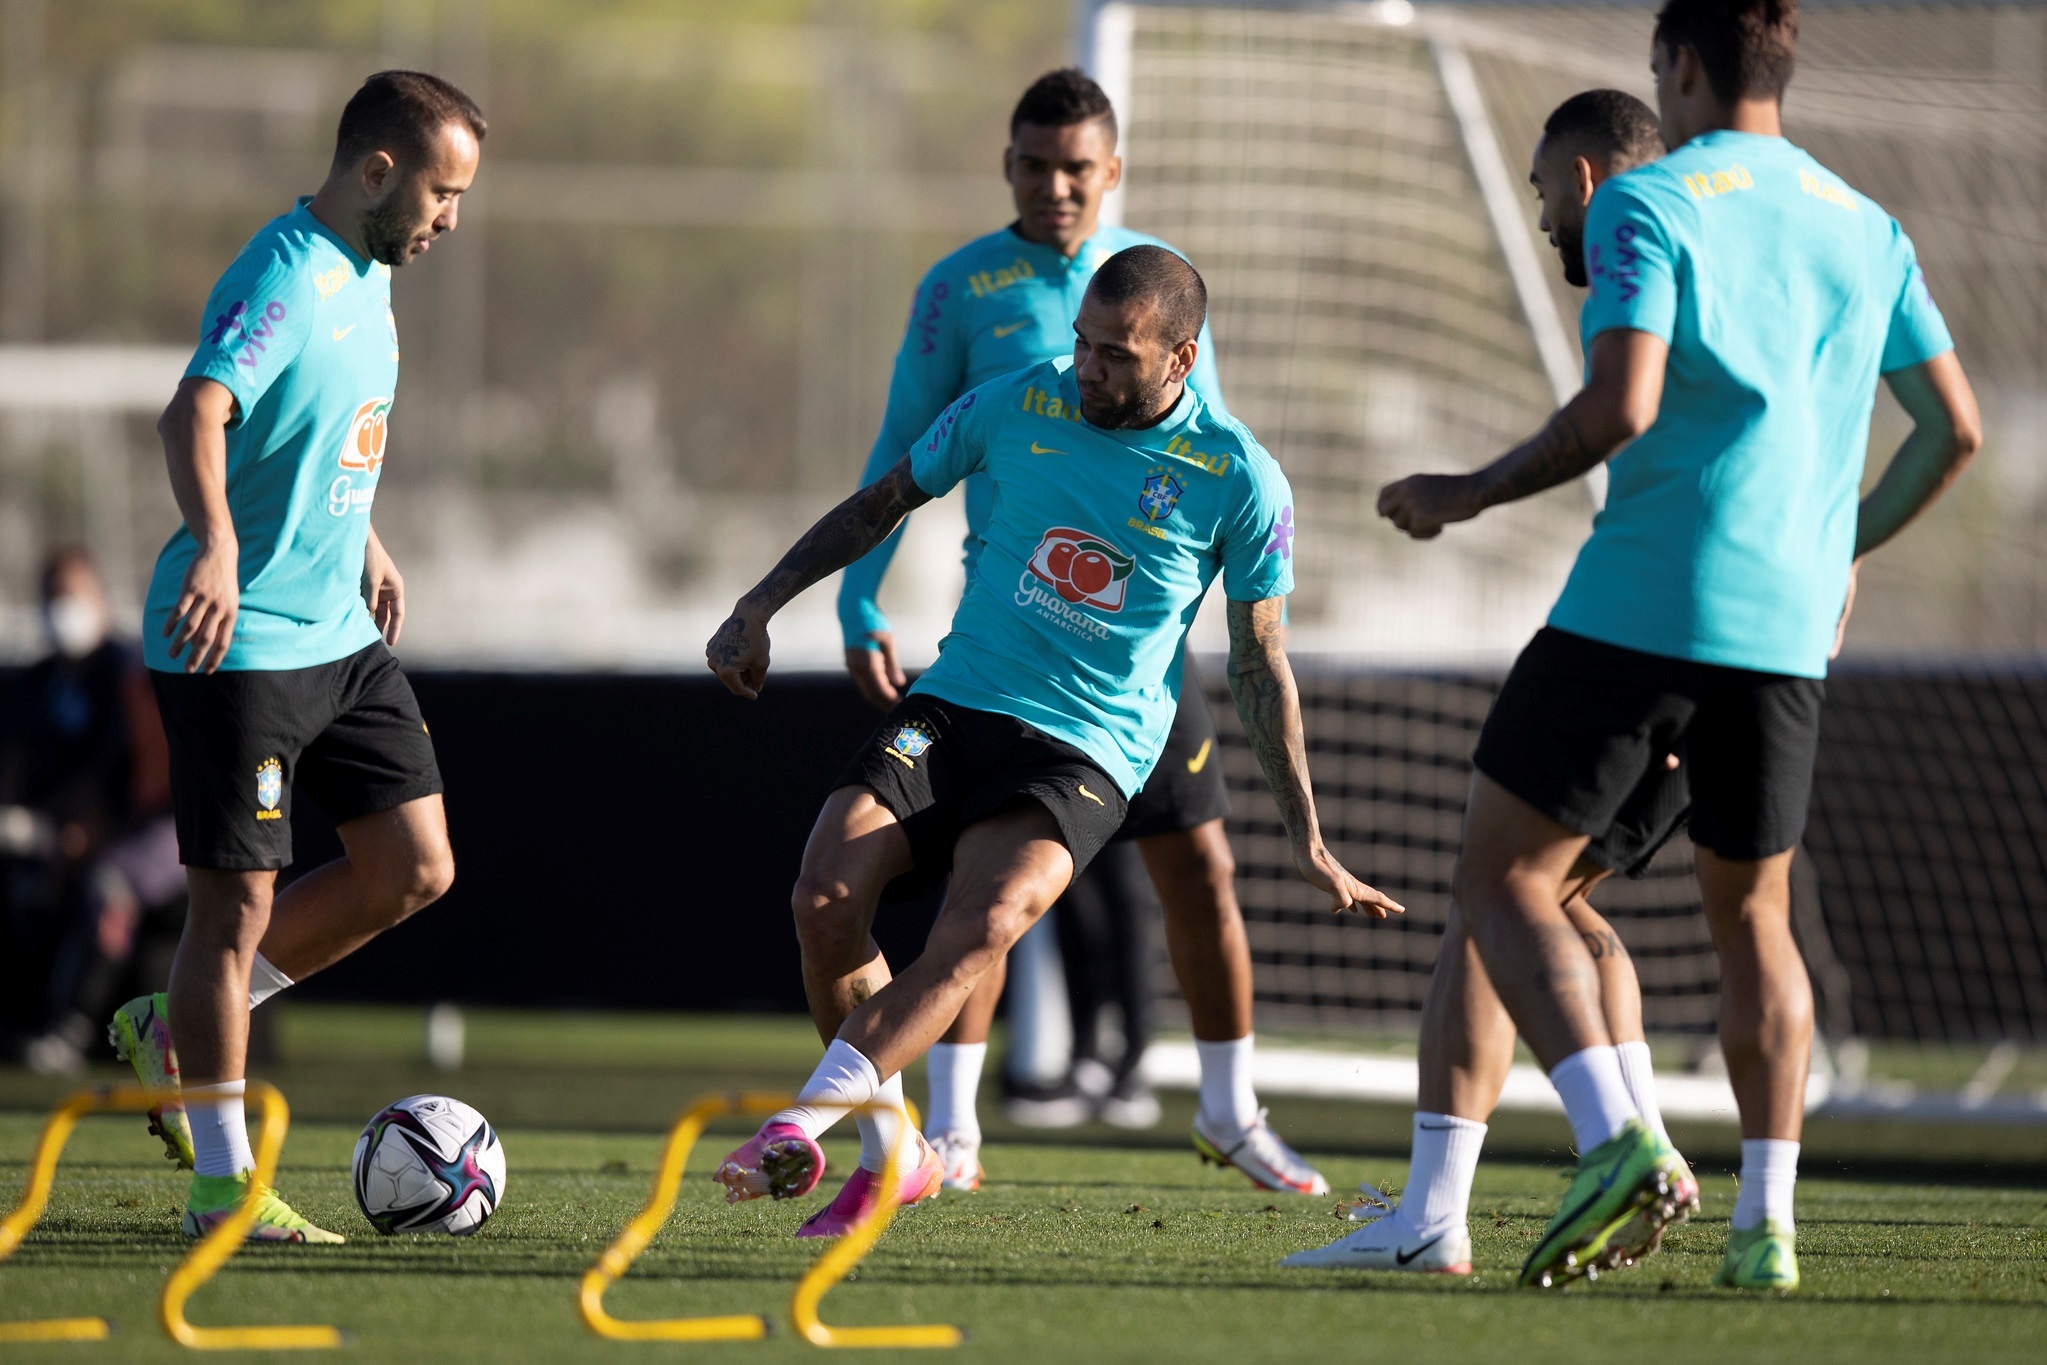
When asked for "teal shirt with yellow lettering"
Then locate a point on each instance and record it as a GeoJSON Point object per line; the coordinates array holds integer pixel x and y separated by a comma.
{"type": "Point", "coordinates": [996, 305]}
{"type": "Point", "coordinates": [300, 331]}
{"type": "Point", "coordinates": [1096, 552]}
{"type": "Point", "coordinates": [1783, 294]}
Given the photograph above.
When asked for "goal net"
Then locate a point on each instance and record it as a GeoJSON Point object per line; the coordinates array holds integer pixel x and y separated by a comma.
{"type": "Point", "coordinates": [1352, 182]}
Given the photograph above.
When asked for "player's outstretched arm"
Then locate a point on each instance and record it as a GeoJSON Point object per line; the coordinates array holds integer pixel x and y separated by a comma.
{"type": "Point", "coordinates": [738, 653]}
{"type": "Point", "coordinates": [194, 432]}
{"type": "Point", "coordinates": [1946, 432]}
{"type": "Point", "coordinates": [1618, 403]}
{"type": "Point", "coordinates": [1262, 683]}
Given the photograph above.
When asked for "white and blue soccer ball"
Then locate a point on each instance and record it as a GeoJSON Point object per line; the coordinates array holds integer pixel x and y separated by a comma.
{"type": "Point", "coordinates": [429, 1164]}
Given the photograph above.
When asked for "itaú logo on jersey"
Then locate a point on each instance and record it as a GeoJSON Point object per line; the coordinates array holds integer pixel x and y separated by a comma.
{"type": "Point", "coordinates": [367, 431]}
{"type": "Point", "coordinates": [1083, 567]}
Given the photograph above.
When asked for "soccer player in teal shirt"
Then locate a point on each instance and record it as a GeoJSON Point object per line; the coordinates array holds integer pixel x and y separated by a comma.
{"type": "Point", "coordinates": [1012, 759]}
{"type": "Point", "coordinates": [269, 620]}
{"type": "Point", "coordinates": [1744, 302]}
{"type": "Point", "coordinates": [1003, 302]}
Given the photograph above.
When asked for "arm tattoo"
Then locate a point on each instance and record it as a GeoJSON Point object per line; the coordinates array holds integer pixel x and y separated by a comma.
{"type": "Point", "coordinates": [1262, 684]}
{"type": "Point", "coordinates": [1602, 943]}
{"type": "Point", "coordinates": [1556, 454]}
{"type": "Point", "coordinates": [841, 536]}
{"type": "Point", "coordinates": [860, 991]}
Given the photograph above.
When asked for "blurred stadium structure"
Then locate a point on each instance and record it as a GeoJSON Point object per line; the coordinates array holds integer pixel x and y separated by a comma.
{"type": "Point", "coordinates": [660, 343]}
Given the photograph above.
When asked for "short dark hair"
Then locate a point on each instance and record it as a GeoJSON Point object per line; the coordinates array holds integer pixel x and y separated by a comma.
{"type": "Point", "coordinates": [1748, 47]}
{"type": "Point", "coordinates": [399, 112]}
{"type": "Point", "coordinates": [1152, 274]}
{"type": "Point", "coordinates": [1062, 98]}
{"type": "Point", "coordinates": [1610, 124]}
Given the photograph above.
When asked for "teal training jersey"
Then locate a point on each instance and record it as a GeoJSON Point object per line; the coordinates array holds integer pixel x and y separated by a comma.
{"type": "Point", "coordinates": [1097, 550]}
{"type": "Point", "coordinates": [1783, 293]}
{"type": "Point", "coordinates": [300, 331]}
{"type": "Point", "coordinates": [997, 304]}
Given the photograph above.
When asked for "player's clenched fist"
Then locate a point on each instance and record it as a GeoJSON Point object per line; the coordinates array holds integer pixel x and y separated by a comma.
{"type": "Point", "coordinates": [1319, 866]}
{"type": "Point", "coordinates": [738, 654]}
{"type": "Point", "coordinates": [1423, 504]}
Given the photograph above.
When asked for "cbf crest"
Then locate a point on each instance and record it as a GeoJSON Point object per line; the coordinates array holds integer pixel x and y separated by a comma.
{"type": "Point", "coordinates": [269, 783]}
{"type": "Point", "coordinates": [910, 742]}
{"type": "Point", "coordinates": [1161, 494]}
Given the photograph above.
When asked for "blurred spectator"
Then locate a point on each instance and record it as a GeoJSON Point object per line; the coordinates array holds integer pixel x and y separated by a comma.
{"type": "Point", "coordinates": [87, 848]}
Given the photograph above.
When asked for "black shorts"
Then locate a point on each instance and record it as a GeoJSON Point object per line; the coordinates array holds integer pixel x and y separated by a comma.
{"type": "Point", "coordinates": [1658, 807]}
{"type": "Point", "coordinates": [940, 768]}
{"type": "Point", "coordinates": [1580, 724]}
{"type": "Point", "coordinates": [349, 731]}
{"type": "Point", "coordinates": [1186, 788]}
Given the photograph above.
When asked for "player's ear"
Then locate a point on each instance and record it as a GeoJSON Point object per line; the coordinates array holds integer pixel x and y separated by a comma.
{"type": "Point", "coordinates": [1115, 173]}
{"type": "Point", "coordinates": [1183, 359]}
{"type": "Point", "coordinates": [1586, 177]}
{"type": "Point", "coordinates": [1690, 71]}
{"type": "Point", "coordinates": [1009, 163]}
{"type": "Point", "coordinates": [376, 172]}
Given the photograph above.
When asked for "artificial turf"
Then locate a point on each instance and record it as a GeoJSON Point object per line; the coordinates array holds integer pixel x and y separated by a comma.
{"type": "Point", "coordinates": [1071, 1252]}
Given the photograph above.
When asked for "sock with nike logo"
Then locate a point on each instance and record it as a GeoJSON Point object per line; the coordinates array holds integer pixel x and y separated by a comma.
{"type": "Point", "coordinates": [1442, 1164]}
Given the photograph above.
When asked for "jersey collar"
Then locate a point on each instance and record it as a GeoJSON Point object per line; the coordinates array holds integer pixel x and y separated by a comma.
{"type": "Point", "coordinates": [1053, 255]}
{"type": "Point", "coordinates": [303, 211]}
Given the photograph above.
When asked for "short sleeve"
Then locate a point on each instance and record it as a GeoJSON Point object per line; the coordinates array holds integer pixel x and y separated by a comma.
{"type": "Point", "coordinates": [1917, 331]}
{"type": "Point", "coordinates": [952, 447]}
{"type": "Point", "coordinates": [256, 324]}
{"type": "Point", "coordinates": [1258, 543]}
{"type": "Point", "coordinates": [1631, 262]}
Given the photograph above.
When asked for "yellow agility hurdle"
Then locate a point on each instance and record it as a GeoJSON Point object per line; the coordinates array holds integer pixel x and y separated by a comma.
{"type": "Point", "coordinates": [620, 1255]}
{"type": "Point", "coordinates": [830, 1268]}
{"type": "Point", "coordinates": [198, 1267]}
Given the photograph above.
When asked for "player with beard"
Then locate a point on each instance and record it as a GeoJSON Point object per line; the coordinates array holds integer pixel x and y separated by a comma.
{"type": "Point", "coordinates": [998, 304]}
{"type": "Point", "coordinates": [1744, 302]}
{"type": "Point", "coordinates": [269, 620]}
{"type": "Point", "coordinates": [1011, 761]}
{"type": "Point", "coordinates": [1467, 1038]}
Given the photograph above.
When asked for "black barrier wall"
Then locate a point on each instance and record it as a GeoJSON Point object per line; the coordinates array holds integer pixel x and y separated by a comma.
{"type": "Point", "coordinates": [630, 841]}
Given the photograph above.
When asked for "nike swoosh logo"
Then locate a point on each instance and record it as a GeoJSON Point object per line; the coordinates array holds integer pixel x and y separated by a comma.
{"type": "Point", "coordinates": [1001, 332]}
{"type": "Point", "coordinates": [1403, 1257]}
{"type": "Point", "coordinates": [1200, 760]}
{"type": "Point", "coordinates": [1037, 449]}
{"type": "Point", "coordinates": [1081, 787]}
{"type": "Point", "coordinates": [340, 332]}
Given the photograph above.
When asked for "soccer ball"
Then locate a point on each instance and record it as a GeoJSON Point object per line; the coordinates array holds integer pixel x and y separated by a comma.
{"type": "Point", "coordinates": [428, 1164]}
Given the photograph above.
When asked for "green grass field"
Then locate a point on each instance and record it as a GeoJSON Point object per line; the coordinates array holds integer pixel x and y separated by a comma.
{"type": "Point", "coordinates": [1916, 1244]}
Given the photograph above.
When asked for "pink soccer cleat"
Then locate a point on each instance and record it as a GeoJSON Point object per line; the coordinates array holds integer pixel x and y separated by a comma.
{"type": "Point", "coordinates": [858, 1198]}
{"type": "Point", "coordinates": [778, 1161]}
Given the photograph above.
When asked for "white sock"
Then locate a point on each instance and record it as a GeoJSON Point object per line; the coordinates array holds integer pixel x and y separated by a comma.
{"type": "Point", "coordinates": [843, 1079]}
{"type": "Point", "coordinates": [220, 1130]}
{"type": "Point", "coordinates": [1440, 1170]}
{"type": "Point", "coordinates": [1228, 1101]}
{"type": "Point", "coordinates": [1641, 1079]}
{"type": "Point", "coordinates": [882, 1129]}
{"type": "Point", "coordinates": [265, 980]}
{"type": "Point", "coordinates": [1769, 1173]}
{"type": "Point", "coordinates": [954, 1071]}
{"type": "Point", "coordinates": [1595, 1095]}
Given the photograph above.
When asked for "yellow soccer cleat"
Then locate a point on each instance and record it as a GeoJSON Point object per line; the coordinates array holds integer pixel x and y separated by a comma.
{"type": "Point", "coordinates": [214, 1198]}
{"type": "Point", "coordinates": [141, 1035]}
{"type": "Point", "coordinates": [1761, 1257]}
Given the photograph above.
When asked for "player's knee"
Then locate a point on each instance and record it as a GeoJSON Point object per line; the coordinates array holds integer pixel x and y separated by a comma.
{"type": "Point", "coordinates": [433, 872]}
{"type": "Point", "coordinates": [823, 909]}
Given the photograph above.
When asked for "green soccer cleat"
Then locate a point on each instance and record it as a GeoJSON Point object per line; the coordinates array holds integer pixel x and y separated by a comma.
{"type": "Point", "coordinates": [1760, 1257]}
{"type": "Point", "coordinates": [141, 1035]}
{"type": "Point", "coordinates": [214, 1197]}
{"type": "Point", "coordinates": [1633, 1172]}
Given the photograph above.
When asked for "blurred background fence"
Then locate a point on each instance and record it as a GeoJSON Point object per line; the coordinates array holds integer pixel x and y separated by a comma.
{"type": "Point", "coordinates": [660, 341]}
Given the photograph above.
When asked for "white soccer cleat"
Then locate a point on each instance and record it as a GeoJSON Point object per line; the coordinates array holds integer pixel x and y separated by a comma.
{"type": "Point", "coordinates": [1260, 1154]}
{"type": "Point", "coordinates": [1390, 1244]}
{"type": "Point", "coordinates": [961, 1157]}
